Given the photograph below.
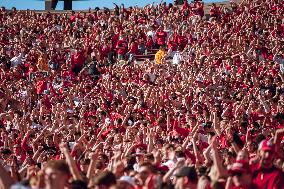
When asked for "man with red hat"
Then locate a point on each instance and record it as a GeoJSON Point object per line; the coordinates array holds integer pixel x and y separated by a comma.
{"type": "Point", "coordinates": [239, 175]}
{"type": "Point", "coordinates": [264, 174]}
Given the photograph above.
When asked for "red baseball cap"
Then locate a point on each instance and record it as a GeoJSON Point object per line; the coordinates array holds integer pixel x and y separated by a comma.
{"type": "Point", "coordinates": [266, 145]}
{"type": "Point", "coordinates": [239, 167]}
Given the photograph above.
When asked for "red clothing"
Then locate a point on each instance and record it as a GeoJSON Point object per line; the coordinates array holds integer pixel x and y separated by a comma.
{"type": "Point", "coordinates": [73, 18]}
{"type": "Point", "coordinates": [121, 47]}
{"type": "Point", "coordinates": [78, 59]}
{"type": "Point", "coordinates": [134, 48]}
{"type": "Point", "coordinates": [185, 5]}
{"type": "Point", "coordinates": [161, 37]}
{"type": "Point", "coordinates": [114, 40]}
{"type": "Point", "coordinates": [223, 140]}
{"type": "Point", "coordinates": [172, 45]}
{"type": "Point", "coordinates": [182, 41]}
{"type": "Point", "coordinates": [199, 10]}
{"type": "Point", "coordinates": [240, 187]}
{"type": "Point", "coordinates": [41, 86]}
{"type": "Point", "coordinates": [214, 11]}
{"type": "Point", "coordinates": [149, 43]}
{"type": "Point", "coordinates": [24, 145]}
{"type": "Point", "coordinates": [104, 51]}
{"type": "Point", "coordinates": [190, 156]}
{"type": "Point", "coordinates": [182, 131]}
{"type": "Point", "coordinates": [272, 178]}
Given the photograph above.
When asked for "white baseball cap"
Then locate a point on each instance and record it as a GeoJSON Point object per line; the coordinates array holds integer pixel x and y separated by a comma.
{"type": "Point", "coordinates": [128, 179]}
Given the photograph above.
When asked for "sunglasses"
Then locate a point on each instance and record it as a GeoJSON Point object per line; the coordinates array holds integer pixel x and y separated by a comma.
{"type": "Point", "coordinates": [238, 174]}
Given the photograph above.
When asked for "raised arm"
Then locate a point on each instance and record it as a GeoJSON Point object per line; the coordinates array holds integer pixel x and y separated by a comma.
{"type": "Point", "coordinates": [221, 170]}
{"type": "Point", "coordinates": [70, 161]}
{"type": "Point", "coordinates": [151, 138]}
{"type": "Point", "coordinates": [178, 165]}
{"type": "Point", "coordinates": [91, 167]}
{"type": "Point", "coordinates": [216, 124]}
{"type": "Point", "coordinates": [5, 179]}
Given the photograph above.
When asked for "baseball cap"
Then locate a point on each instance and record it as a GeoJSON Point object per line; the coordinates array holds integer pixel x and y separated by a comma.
{"type": "Point", "coordinates": [188, 172]}
{"type": "Point", "coordinates": [128, 179]}
{"type": "Point", "coordinates": [19, 186]}
{"type": "Point", "coordinates": [266, 145]}
{"type": "Point", "coordinates": [238, 167]}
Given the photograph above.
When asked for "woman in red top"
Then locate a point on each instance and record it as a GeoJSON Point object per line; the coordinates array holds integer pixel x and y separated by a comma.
{"type": "Point", "coordinates": [199, 9]}
{"type": "Point", "coordinates": [121, 47]}
{"type": "Point", "coordinates": [181, 39]}
{"type": "Point", "coordinates": [149, 42]}
{"type": "Point", "coordinates": [133, 50]}
{"type": "Point", "coordinates": [161, 37]}
{"type": "Point", "coordinates": [133, 47]}
{"type": "Point", "coordinates": [78, 60]}
{"type": "Point", "coordinates": [172, 46]}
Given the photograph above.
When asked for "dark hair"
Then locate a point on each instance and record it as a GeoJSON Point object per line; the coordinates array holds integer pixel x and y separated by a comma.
{"type": "Point", "coordinates": [150, 156]}
{"type": "Point", "coordinates": [129, 168]}
{"type": "Point", "coordinates": [85, 161]}
{"type": "Point", "coordinates": [131, 160]}
{"type": "Point", "coordinates": [180, 154]}
{"type": "Point", "coordinates": [148, 165]}
{"type": "Point", "coordinates": [78, 184]}
{"type": "Point", "coordinates": [259, 138]}
{"type": "Point", "coordinates": [59, 165]}
{"type": "Point", "coordinates": [103, 113]}
{"type": "Point", "coordinates": [244, 124]}
{"type": "Point", "coordinates": [105, 178]}
{"type": "Point", "coordinates": [99, 164]}
{"type": "Point", "coordinates": [202, 171]}
{"type": "Point", "coordinates": [30, 152]}
{"type": "Point", "coordinates": [237, 140]}
{"type": "Point", "coordinates": [119, 121]}
{"type": "Point", "coordinates": [6, 151]}
{"type": "Point", "coordinates": [217, 185]}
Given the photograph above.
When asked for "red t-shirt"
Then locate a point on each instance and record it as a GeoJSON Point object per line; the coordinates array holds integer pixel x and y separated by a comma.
{"type": "Point", "coordinates": [172, 45]}
{"type": "Point", "coordinates": [134, 48]}
{"type": "Point", "coordinates": [199, 10]}
{"type": "Point", "coordinates": [41, 86]}
{"type": "Point", "coordinates": [73, 18]}
{"type": "Point", "coordinates": [149, 43]}
{"type": "Point", "coordinates": [104, 51]}
{"type": "Point", "coordinates": [114, 39]}
{"type": "Point", "coordinates": [272, 178]}
{"type": "Point", "coordinates": [78, 59]}
{"type": "Point", "coordinates": [182, 41]}
{"type": "Point", "coordinates": [161, 37]}
{"type": "Point", "coordinates": [182, 131]}
{"type": "Point", "coordinates": [122, 44]}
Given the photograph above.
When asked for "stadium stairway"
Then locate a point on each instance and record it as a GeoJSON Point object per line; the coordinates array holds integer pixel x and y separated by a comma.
{"type": "Point", "coordinates": [149, 55]}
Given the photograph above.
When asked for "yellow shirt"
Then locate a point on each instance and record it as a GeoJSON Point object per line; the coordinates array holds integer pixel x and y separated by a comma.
{"type": "Point", "coordinates": [42, 63]}
{"type": "Point", "coordinates": [159, 55]}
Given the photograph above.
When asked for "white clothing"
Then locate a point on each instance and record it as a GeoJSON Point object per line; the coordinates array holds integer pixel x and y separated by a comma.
{"type": "Point", "coordinates": [177, 58]}
{"type": "Point", "coordinates": [16, 60]}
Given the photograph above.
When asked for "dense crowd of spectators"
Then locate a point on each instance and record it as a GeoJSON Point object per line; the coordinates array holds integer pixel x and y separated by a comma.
{"type": "Point", "coordinates": [78, 111]}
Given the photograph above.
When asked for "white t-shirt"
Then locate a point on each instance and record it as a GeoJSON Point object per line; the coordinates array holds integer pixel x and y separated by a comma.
{"type": "Point", "coordinates": [16, 60]}
{"type": "Point", "coordinates": [152, 34]}
{"type": "Point", "coordinates": [280, 61]}
{"type": "Point", "coordinates": [19, 186]}
{"type": "Point", "coordinates": [177, 58]}
{"type": "Point", "coordinates": [170, 164]}
{"type": "Point", "coordinates": [152, 77]}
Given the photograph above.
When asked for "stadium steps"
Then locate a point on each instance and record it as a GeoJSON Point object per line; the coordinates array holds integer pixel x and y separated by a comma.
{"type": "Point", "coordinates": [150, 55]}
